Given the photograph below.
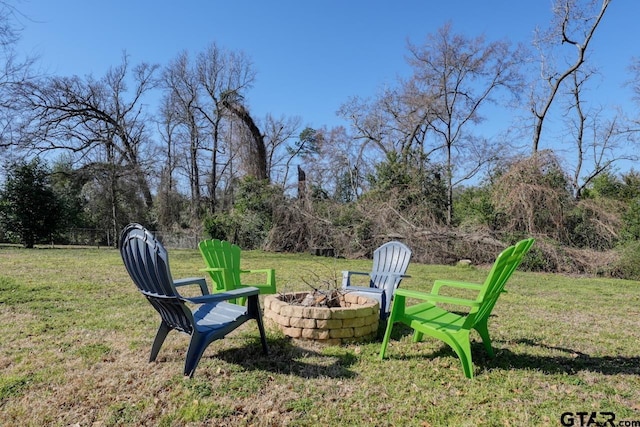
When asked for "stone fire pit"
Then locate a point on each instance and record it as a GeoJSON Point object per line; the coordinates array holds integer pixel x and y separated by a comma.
{"type": "Point", "coordinates": [355, 319]}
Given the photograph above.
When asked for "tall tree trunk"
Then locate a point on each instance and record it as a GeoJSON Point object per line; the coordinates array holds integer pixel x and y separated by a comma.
{"type": "Point", "coordinates": [194, 178]}
{"type": "Point", "coordinates": [449, 186]}
{"type": "Point", "coordinates": [214, 166]}
{"type": "Point", "coordinates": [258, 149]}
{"type": "Point", "coordinates": [113, 193]}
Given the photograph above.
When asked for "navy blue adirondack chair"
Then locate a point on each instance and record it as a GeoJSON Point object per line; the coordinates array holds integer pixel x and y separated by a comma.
{"type": "Point", "coordinates": [212, 318]}
{"type": "Point", "coordinates": [390, 262]}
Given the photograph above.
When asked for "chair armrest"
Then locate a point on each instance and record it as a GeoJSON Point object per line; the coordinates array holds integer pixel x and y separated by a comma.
{"type": "Point", "coordinates": [436, 298]}
{"type": "Point", "coordinates": [392, 274]}
{"type": "Point", "coordinates": [348, 273]}
{"type": "Point", "coordinates": [270, 286]}
{"type": "Point", "coordinates": [224, 296]}
{"type": "Point", "coordinates": [454, 284]}
{"type": "Point", "coordinates": [363, 289]}
{"type": "Point", "coordinates": [200, 281]}
{"type": "Point", "coordinates": [212, 269]}
{"type": "Point", "coordinates": [258, 270]}
{"type": "Point", "coordinates": [267, 271]}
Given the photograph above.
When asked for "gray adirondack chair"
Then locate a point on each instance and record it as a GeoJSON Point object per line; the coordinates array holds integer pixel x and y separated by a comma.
{"type": "Point", "coordinates": [390, 262]}
{"type": "Point", "coordinates": [147, 262]}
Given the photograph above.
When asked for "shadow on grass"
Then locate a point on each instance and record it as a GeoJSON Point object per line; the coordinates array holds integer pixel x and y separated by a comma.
{"type": "Point", "coordinates": [570, 363]}
{"type": "Point", "coordinates": [286, 358]}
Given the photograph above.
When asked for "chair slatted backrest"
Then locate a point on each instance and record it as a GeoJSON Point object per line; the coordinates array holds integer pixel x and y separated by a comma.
{"type": "Point", "coordinates": [504, 266]}
{"type": "Point", "coordinates": [222, 254]}
{"type": "Point", "coordinates": [392, 257]}
{"type": "Point", "coordinates": [147, 262]}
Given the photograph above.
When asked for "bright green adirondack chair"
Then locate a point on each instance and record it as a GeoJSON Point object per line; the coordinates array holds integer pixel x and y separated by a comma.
{"type": "Point", "coordinates": [223, 265]}
{"type": "Point", "coordinates": [454, 328]}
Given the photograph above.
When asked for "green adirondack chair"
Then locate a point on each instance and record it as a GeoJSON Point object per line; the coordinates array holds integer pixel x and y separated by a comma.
{"type": "Point", "coordinates": [223, 265]}
{"type": "Point", "coordinates": [428, 318]}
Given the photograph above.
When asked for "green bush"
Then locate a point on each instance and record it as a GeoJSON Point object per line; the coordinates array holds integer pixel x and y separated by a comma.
{"type": "Point", "coordinates": [28, 205]}
{"type": "Point", "coordinates": [414, 184]}
{"type": "Point", "coordinates": [249, 221]}
{"type": "Point", "coordinates": [347, 215]}
{"type": "Point", "coordinates": [472, 207]}
{"type": "Point", "coordinates": [628, 264]}
{"type": "Point", "coordinates": [247, 229]}
{"type": "Point", "coordinates": [537, 260]}
{"type": "Point", "coordinates": [631, 222]}
{"type": "Point", "coordinates": [220, 226]}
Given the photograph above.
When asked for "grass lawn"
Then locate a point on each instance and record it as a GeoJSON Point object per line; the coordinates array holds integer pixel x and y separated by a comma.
{"type": "Point", "coordinates": [75, 337]}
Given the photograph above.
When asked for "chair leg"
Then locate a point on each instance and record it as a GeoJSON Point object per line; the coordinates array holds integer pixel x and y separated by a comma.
{"type": "Point", "coordinates": [483, 330]}
{"type": "Point", "coordinates": [194, 353]}
{"type": "Point", "coordinates": [385, 308]}
{"type": "Point", "coordinates": [163, 330]}
{"type": "Point", "coordinates": [385, 340]}
{"type": "Point", "coordinates": [397, 311]}
{"type": "Point", "coordinates": [387, 333]}
{"type": "Point", "coordinates": [253, 308]}
{"type": "Point", "coordinates": [462, 346]}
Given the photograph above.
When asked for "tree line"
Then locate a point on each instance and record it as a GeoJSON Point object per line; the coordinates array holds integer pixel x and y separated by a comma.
{"type": "Point", "coordinates": [412, 164]}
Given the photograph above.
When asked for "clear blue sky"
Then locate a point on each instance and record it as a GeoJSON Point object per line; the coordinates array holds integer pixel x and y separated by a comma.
{"type": "Point", "coordinates": [310, 56]}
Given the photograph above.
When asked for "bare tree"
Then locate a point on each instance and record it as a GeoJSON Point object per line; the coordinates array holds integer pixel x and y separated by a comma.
{"type": "Point", "coordinates": [15, 71]}
{"type": "Point", "coordinates": [96, 119]}
{"type": "Point", "coordinates": [206, 127]}
{"type": "Point", "coordinates": [597, 140]}
{"type": "Point", "coordinates": [573, 26]}
{"type": "Point", "coordinates": [370, 123]}
{"type": "Point", "coordinates": [183, 94]}
{"type": "Point", "coordinates": [168, 130]}
{"type": "Point", "coordinates": [328, 160]}
{"type": "Point", "coordinates": [454, 77]}
{"type": "Point", "coordinates": [634, 84]}
{"type": "Point", "coordinates": [277, 133]}
{"type": "Point", "coordinates": [430, 116]}
{"type": "Point", "coordinates": [220, 72]}
{"type": "Point", "coordinates": [393, 121]}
